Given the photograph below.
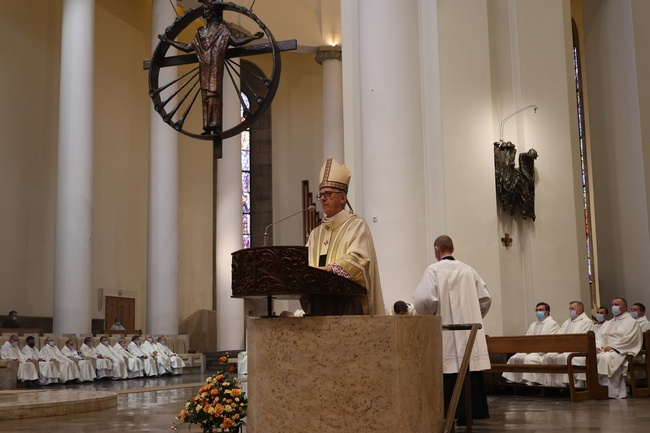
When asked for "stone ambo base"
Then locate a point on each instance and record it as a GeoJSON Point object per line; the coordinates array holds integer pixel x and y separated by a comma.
{"type": "Point", "coordinates": [345, 374]}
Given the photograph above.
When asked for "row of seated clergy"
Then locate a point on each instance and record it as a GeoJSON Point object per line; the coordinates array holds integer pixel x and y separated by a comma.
{"type": "Point", "coordinates": [615, 339]}
{"type": "Point", "coordinates": [178, 344]}
{"type": "Point", "coordinates": [49, 364]}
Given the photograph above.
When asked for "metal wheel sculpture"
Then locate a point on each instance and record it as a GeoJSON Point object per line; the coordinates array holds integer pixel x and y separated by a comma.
{"type": "Point", "coordinates": [175, 99]}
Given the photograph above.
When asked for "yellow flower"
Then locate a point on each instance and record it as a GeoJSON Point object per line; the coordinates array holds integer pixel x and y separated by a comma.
{"type": "Point", "coordinates": [237, 399]}
{"type": "Point", "coordinates": [198, 408]}
{"type": "Point", "coordinates": [235, 416]}
{"type": "Point", "coordinates": [227, 391]}
{"type": "Point", "coordinates": [228, 409]}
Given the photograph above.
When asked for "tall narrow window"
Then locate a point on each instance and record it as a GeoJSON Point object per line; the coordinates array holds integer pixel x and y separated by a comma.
{"type": "Point", "coordinates": [583, 157]}
{"type": "Point", "coordinates": [246, 179]}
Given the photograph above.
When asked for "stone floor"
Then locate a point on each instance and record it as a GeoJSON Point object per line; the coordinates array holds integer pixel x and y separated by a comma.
{"type": "Point", "coordinates": [150, 405]}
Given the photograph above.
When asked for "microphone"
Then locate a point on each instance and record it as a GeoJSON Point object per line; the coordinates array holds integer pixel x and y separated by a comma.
{"type": "Point", "coordinates": [311, 208]}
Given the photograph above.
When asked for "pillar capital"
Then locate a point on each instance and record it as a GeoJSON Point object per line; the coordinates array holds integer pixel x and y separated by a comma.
{"type": "Point", "coordinates": [328, 52]}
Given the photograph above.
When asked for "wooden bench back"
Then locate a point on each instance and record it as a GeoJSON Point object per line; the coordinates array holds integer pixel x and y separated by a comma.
{"type": "Point", "coordinates": [543, 343]}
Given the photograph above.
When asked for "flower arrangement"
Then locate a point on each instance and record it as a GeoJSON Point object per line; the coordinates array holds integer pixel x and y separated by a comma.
{"type": "Point", "coordinates": [220, 404]}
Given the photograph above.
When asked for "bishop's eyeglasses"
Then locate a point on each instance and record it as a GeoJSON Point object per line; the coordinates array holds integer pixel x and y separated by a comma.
{"type": "Point", "coordinates": [327, 194]}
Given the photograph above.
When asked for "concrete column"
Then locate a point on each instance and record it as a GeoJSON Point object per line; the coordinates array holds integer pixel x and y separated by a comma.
{"type": "Point", "coordinates": [330, 58]}
{"type": "Point", "coordinates": [162, 244]}
{"type": "Point", "coordinates": [230, 312]}
{"type": "Point", "coordinates": [393, 156]}
{"type": "Point", "coordinates": [74, 207]}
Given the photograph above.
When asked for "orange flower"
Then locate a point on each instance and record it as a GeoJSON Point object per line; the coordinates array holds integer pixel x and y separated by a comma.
{"type": "Point", "coordinates": [232, 369]}
{"type": "Point", "coordinates": [223, 359]}
{"type": "Point", "coordinates": [235, 392]}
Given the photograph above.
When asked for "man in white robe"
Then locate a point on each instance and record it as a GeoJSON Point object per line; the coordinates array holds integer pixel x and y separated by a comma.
{"type": "Point", "coordinates": [133, 363]}
{"type": "Point", "coordinates": [455, 291]}
{"type": "Point", "coordinates": [102, 366]}
{"type": "Point", "coordinates": [602, 315]}
{"type": "Point", "coordinates": [85, 366]}
{"type": "Point", "coordinates": [149, 363]}
{"type": "Point", "coordinates": [26, 369]}
{"type": "Point", "coordinates": [176, 362]}
{"type": "Point", "coordinates": [342, 244]}
{"type": "Point", "coordinates": [67, 367]}
{"type": "Point", "coordinates": [637, 311]}
{"type": "Point", "coordinates": [47, 370]}
{"type": "Point", "coordinates": [118, 366]}
{"type": "Point", "coordinates": [149, 347]}
{"type": "Point", "coordinates": [577, 323]}
{"type": "Point", "coordinates": [617, 338]}
{"type": "Point", "coordinates": [543, 325]}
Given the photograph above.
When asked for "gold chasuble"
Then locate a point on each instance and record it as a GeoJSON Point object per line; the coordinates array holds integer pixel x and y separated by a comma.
{"type": "Point", "coordinates": [344, 242]}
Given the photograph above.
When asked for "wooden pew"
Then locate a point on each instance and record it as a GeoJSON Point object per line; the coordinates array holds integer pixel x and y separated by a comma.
{"type": "Point", "coordinates": [578, 345]}
{"type": "Point", "coordinates": [636, 366]}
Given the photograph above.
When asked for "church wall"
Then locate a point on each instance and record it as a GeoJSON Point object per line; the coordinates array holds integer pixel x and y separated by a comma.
{"type": "Point", "coordinates": [29, 82]}
{"type": "Point", "coordinates": [467, 134]}
{"type": "Point", "coordinates": [297, 142]}
{"type": "Point", "coordinates": [534, 69]}
{"type": "Point", "coordinates": [618, 108]}
{"type": "Point", "coordinates": [121, 153]}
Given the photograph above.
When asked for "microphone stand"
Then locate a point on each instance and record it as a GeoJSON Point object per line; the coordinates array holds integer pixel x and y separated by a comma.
{"type": "Point", "coordinates": [269, 298]}
{"type": "Point", "coordinates": [311, 208]}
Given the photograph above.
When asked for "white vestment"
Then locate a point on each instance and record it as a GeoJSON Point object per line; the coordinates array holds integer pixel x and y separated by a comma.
{"type": "Point", "coordinates": [546, 326]}
{"type": "Point", "coordinates": [580, 325]}
{"type": "Point", "coordinates": [644, 323]}
{"type": "Point", "coordinates": [69, 370]}
{"type": "Point", "coordinates": [346, 242]}
{"type": "Point", "coordinates": [149, 363]}
{"type": "Point", "coordinates": [47, 370]}
{"type": "Point", "coordinates": [453, 290]}
{"type": "Point", "coordinates": [150, 349]}
{"type": "Point", "coordinates": [623, 335]}
{"type": "Point", "coordinates": [102, 366]}
{"type": "Point", "coordinates": [118, 364]}
{"type": "Point", "coordinates": [26, 369]}
{"type": "Point", "coordinates": [85, 366]}
{"type": "Point", "coordinates": [176, 362]}
{"type": "Point", "coordinates": [133, 363]}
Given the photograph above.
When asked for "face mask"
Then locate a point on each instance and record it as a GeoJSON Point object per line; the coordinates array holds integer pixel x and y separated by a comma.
{"type": "Point", "coordinates": [51, 343]}
{"type": "Point", "coordinates": [71, 348]}
{"type": "Point", "coordinates": [15, 318]}
{"type": "Point", "coordinates": [600, 317]}
{"type": "Point", "coordinates": [573, 314]}
{"type": "Point", "coordinates": [540, 315]}
{"type": "Point", "coordinates": [106, 343]}
{"type": "Point", "coordinates": [137, 342]}
{"type": "Point", "coordinates": [616, 310]}
{"type": "Point", "coordinates": [117, 323]}
{"type": "Point", "coordinates": [14, 343]}
{"type": "Point", "coordinates": [150, 340]}
{"type": "Point", "coordinates": [32, 344]}
{"type": "Point", "coordinates": [163, 342]}
{"type": "Point", "coordinates": [635, 314]}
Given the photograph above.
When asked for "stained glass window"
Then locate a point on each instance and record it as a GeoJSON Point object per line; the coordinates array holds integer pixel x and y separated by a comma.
{"type": "Point", "coordinates": [245, 179]}
{"type": "Point", "coordinates": [583, 159]}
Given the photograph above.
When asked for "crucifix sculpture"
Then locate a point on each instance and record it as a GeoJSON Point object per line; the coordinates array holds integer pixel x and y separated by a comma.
{"type": "Point", "coordinates": [211, 55]}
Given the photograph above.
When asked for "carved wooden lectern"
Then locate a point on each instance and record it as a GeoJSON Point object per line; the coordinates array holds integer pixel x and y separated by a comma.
{"type": "Point", "coordinates": [283, 272]}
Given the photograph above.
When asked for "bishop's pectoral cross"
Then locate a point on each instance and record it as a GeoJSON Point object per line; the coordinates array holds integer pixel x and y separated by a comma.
{"type": "Point", "coordinates": [507, 240]}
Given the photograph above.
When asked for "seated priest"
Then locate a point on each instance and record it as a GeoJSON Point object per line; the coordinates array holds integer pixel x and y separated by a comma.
{"type": "Point", "coordinates": [577, 323]}
{"type": "Point", "coordinates": [119, 368]}
{"type": "Point", "coordinates": [616, 339]}
{"type": "Point", "coordinates": [26, 369]}
{"type": "Point", "coordinates": [69, 370]}
{"type": "Point", "coordinates": [133, 363]}
{"type": "Point", "coordinates": [149, 362]}
{"type": "Point", "coordinates": [47, 370]}
{"type": "Point", "coordinates": [175, 361]}
{"type": "Point", "coordinates": [103, 366]}
{"type": "Point", "coordinates": [543, 325]}
{"type": "Point", "coordinates": [342, 244]}
{"type": "Point", "coordinates": [85, 366]}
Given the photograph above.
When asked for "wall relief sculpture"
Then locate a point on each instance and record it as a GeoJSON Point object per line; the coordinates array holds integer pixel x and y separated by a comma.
{"type": "Point", "coordinates": [515, 186]}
